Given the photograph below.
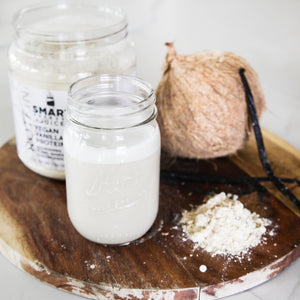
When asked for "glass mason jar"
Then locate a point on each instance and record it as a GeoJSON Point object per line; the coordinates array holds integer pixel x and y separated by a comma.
{"type": "Point", "coordinates": [54, 45]}
{"type": "Point", "coordinates": [112, 158]}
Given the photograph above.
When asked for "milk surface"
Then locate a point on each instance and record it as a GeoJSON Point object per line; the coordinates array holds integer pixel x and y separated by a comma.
{"type": "Point", "coordinates": [113, 187]}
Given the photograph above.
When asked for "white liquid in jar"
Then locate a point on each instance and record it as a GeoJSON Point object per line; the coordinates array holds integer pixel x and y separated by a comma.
{"type": "Point", "coordinates": [112, 193]}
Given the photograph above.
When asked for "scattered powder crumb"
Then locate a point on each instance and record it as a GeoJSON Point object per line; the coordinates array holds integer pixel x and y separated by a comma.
{"type": "Point", "coordinates": [90, 266]}
{"type": "Point", "coordinates": [184, 258]}
{"type": "Point", "coordinates": [165, 233]}
{"type": "Point", "coordinates": [203, 268]}
{"type": "Point", "coordinates": [224, 226]}
{"type": "Point", "coordinates": [190, 193]}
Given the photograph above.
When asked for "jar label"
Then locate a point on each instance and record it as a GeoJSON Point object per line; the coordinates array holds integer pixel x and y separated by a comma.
{"type": "Point", "coordinates": [39, 119]}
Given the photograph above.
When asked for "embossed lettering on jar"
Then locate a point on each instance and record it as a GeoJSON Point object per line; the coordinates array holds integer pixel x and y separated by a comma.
{"type": "Point", "coordinates": [54, 45]}
{"type": "Point", "coordinates": [112, 157]}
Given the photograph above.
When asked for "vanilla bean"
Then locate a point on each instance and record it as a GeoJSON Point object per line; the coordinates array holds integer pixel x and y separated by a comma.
{"type": "Point", "coordinates": [188, 177]}
{"type": "Point", "coordinates": [260, 143]}
{"type": "Point", "coordinates": [277, 181]}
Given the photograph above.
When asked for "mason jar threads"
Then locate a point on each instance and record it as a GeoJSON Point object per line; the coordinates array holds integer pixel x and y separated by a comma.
{"type": "Point", "coordinates": [112, 158]}
{"type": "Point", "coordinates": [54, 45]}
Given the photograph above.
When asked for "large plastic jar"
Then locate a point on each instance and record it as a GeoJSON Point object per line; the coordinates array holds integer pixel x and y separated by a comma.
{"type": "Point", "coordinates": [54, 45]}
{"type": "Point", "coordinates": [112, 158]}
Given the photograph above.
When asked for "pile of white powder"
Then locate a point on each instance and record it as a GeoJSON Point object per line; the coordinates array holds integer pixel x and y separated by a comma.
{"type": "Point", "coordinates": [224, 226]}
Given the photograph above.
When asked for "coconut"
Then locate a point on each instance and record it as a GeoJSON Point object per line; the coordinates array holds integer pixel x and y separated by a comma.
{"type": "Point", "coordinates": [202, 109]}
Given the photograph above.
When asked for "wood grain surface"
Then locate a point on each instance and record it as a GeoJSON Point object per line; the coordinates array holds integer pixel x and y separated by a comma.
{"type": "Point", "coordinates": [37, 236]}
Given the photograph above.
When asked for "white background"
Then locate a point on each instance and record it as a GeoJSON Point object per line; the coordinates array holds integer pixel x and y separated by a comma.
{"type": "Point", "coordinates": [265, 32]}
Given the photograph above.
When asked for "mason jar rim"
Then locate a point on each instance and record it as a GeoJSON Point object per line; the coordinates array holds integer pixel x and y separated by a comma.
{"type": "Point", "coordinates": [115, 28]}
{"type": "Point", "coordinates": [81, 110]}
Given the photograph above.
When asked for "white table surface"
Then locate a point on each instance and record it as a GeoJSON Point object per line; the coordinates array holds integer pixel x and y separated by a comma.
{"type": "Point", "coordinates": [265, 32]}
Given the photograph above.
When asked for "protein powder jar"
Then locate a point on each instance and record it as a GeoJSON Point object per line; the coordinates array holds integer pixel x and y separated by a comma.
{"type": "Point", "coordinates": [54, 45]}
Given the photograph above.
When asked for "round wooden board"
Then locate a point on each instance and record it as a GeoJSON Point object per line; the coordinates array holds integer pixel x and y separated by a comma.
{"type": "Point", "coordinates": [37, 236]}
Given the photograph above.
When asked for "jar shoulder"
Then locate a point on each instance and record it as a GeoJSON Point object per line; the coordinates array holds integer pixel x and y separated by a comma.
{"type": "Point", "coordinates": [111, 145]}
{"type": "Point", "coordinates": [68, 64]}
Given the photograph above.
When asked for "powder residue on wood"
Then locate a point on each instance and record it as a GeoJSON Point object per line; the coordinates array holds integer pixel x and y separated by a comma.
{"type": "Point", "coordinates": [224, 226]}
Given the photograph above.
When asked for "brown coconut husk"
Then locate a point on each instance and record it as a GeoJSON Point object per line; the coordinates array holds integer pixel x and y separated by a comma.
{"type": "Point", "coordinates": [202, 109]}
